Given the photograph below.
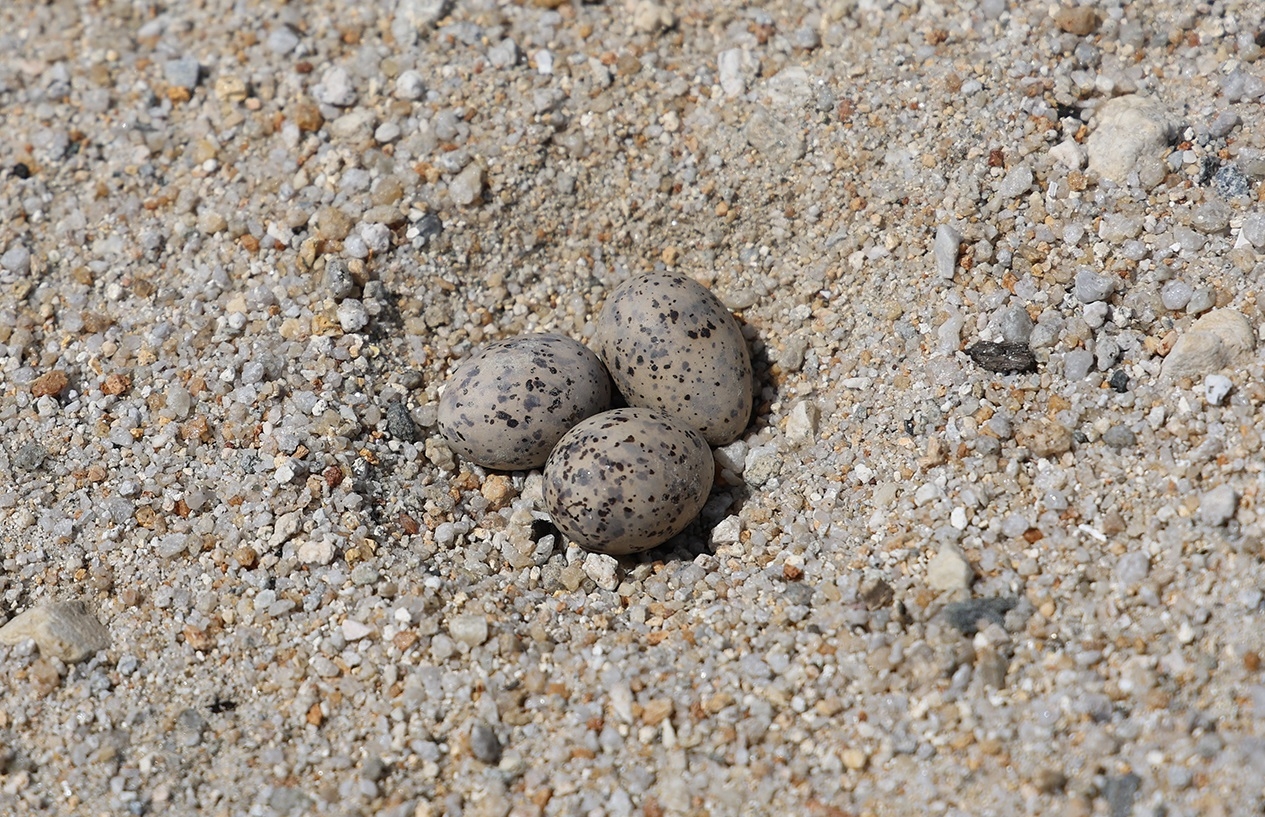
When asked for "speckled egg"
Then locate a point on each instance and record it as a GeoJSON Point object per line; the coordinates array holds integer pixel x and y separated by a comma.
{"type": "Point", "coordinates": [627, 480]}
{"type": "Point", "coordinates": [671, 345]}
{"type": "Point", "coordinates": [507, 406]}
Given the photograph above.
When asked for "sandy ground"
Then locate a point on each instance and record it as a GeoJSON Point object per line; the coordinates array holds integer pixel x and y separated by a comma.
{"type": "Point", "coordinates": [242, 246]}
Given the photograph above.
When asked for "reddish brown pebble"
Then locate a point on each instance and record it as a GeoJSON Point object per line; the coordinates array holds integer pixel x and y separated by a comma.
{"type": "Point", "coordinates": [792, 573]}
{"type": "Point", "coordinates": [408, 524]}
{"type": "Point", "coordinates": [333, 476]}
{"type": "Point", "coordinates": [116, 384]}
{"type": "Point", "coordinates": [1252, 661]}
{"type": "Point", "coordinates": [49, 384]}
{"type": "Point", "coordinates": [1080, 20]}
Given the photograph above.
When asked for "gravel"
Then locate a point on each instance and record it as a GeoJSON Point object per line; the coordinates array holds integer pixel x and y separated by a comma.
{"type": "Point", "coordinates": [242, 246]}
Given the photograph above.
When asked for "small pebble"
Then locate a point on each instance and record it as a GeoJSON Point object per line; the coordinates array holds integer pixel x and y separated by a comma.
{"type": "Point", "coordinates": [1210, 343]}
{"type": "Point", "coordinates": [1176, 294]}
{"type": "Point", "coordinates": [1132, 568]}
{"type": "Point", "coordinates": [1217, 506]}
{"type": "Point", "coordinates": [949, 571]}
{"type": "Point", "coordinates": [485, 745]}
{"type": "Point", "coordinates": [1119, 436]}
{"type": "Point", "coordinates": [336, 88]}
{"type": "Point", "coordinates": [469, 629]}
{"type": "Point", "coordinates": [1076, 365]}
{"type": "Point", "coordinates": [1216, 388]}
{"type": "Point", "coordinates": [945, 250]}
{"type": "Point", "coordinates": [1092, 286]}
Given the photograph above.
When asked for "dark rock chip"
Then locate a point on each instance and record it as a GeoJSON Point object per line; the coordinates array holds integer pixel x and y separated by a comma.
{"type": "Point", "coordinates": [1003, 358]}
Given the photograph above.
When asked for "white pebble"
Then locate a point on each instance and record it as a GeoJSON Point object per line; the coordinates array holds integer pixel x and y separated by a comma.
{"type": "Point", "coordinates": [949, 570]}
{"type": "Point", "coordinates": [354, 630]}
{"type": "Point", "coordinates": [945, 250]}
{"type": "Point", "coordinates": [801, 423]}
{"type": "Point", "coordinates": [470, 629]}
{"type": "Point", "coordinates": [352, 316]}
{"type": "Point", "coordinates": [1216, 387]}
{"type": "Point", "coordinates": [602, 569]}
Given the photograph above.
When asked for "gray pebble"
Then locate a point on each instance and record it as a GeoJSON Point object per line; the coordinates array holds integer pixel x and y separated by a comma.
{"type": "Point", "coordinates": [16, 259]}
{"type": "Point", "coordinates": [1211, 217]}
{"type": "Point", "coordinates": [400, 423]}
{"type": "Point", "coordinates": [1120, 792]}
{"type": "Point", "coordinates": [1076, 365]}
{"type": "Point", "coordinates": [1201, 300]}
{"type": "Point", "coordinates": [1231, 182]}
{"type": "Point", "coordinates": [470, 629]}
{"type": "Point", "coordinates": [1224, 122]}
{"type": "Point", "coordinates": [282, 40]}
{"type": "Point", "coordinates": [339, 283]}
{"type": "Point", "coordinates": [410, 86]}
{"type": "Point", "coordinates": [1176, 294]}
{"type": "Point", "coordinates": [1106, 352]}
{"type": "Point", "coordinates": [775, 140]}
{"type": "Point", "coordinates": [1016, 182]}
{"type": "Point", "coordinates": [504, 54]}
{"type": "Point", "coordinates": [1092, 286]}
{"type": "Point", "coordinates": [189, 727]}
{"type": "Point", "coordinates": [1119, 436]}
{"type": "Point", "coordinates": [466, 187]}
{"type": "Point", "coordinates": [1217, 506]}
{"type": "Point", "coordinates": [966, 616]}
{"type": "Point", "coordinates": [485, 745]}
{"type": "Point", "coordinates": [1132, 568]}
{"type": "Point", "coordinates": [183, 73]}
{"type": "Point", "coordinates": [352, 315]}
{"type": "Point", "coordinates": [1253, 230]}
{"type": "Point", "coordinates": [30, 457]}
{"type": "Point", "coordinates": [335, 88]}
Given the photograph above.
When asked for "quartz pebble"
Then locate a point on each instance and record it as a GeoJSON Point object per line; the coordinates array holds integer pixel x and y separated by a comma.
{"type": "Point", "coordinates": [949, 571]}
{"type": "Point", "coordinates": [1217, 506]}
{"type": "Point", "coordinates": [1216, 388]}
{"type": "Point", "coordinates": [66, 630]}
{"type": "Point", "coordinates": [1209, 344]}
{"type": "Point", "coordinates": [945, 250]}
{"type": "Point", "coordinates": [671, 345]}
{"type": "Point", "coordinates": [1127, 129]}
{"type": "Point", "coordinates": [627, 480]}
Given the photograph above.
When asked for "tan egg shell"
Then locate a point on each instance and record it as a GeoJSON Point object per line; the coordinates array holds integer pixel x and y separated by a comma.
{"type": "Point", "coordinates": [627, 480]}
{"type": "Point", "coordinates": [671, 345]}
{"type": "Point", "coordinates": [506, 407]}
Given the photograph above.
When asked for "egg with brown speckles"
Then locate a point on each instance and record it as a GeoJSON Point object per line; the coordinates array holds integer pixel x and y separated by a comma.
{"type": "Point", "coordinates": [506, 407]}
{"type": "Point", "coordinates": [671, 345]}
{"type": "Point", "coordinates": [627, 480]}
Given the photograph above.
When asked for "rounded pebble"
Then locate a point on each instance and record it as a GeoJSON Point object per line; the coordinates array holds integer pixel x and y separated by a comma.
{"type": "Point", "coordinates": [627, 480]}
{"type": "Point", "coordinates": [671, 345]}
{"type": "Point", "coordinates": [507, 406]}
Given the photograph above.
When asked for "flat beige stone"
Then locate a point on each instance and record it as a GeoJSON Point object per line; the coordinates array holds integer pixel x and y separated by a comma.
{"type": "Point", "coordinates": [64, 630]}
